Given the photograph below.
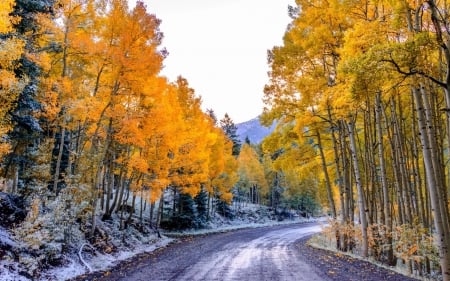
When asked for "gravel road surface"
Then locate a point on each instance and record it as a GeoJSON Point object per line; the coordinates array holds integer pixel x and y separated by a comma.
{"type": "Point", "coordinates": [270, 253]}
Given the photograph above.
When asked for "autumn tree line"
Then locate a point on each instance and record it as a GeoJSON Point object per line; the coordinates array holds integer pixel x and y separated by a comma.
{"type": "Point", "coordinates": [89, 128]}
{"type": "Point", "coordinates": [365, 85]}
{"type": "Point", "coordinates": [91, 134]}
{"type": "Point", "coordinates": [87, 118]}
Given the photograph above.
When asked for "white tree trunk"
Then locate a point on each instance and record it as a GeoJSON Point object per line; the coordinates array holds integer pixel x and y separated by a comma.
{"type": "Point", "coordinates": [361, 200]}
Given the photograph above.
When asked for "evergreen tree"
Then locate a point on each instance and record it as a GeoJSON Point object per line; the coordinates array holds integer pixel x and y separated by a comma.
{"type": "Point", "coordinates": [224, 209]}
{"type": "Point", "coordinates": [27, 130]}
{"type": "Point", "coordinates": [210, 112]}
{"type": "Point", "coordinates": [187, 215]}
{"type": "Point", "coordinates": [184, 216]}
{"type": "Point", "coordinates": [230, 129]}
{"type": "Point", "coordinates": [201, 200]}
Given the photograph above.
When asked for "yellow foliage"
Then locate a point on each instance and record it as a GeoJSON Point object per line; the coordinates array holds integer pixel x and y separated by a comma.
{"type": "Point", "coordinates": [250, 169]}
{"type": "Point", "coordinates": [6, 7]}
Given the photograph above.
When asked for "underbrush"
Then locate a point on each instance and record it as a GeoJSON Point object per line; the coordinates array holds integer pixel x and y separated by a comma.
{"type": "Point", "coordinates": [414, 253]}
{"type": "Point", "coordinates": [54, 239]}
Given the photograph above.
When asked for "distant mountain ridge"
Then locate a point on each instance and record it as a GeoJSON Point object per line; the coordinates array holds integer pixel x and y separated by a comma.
{"type": "Point", "coordinates": [253, 130]}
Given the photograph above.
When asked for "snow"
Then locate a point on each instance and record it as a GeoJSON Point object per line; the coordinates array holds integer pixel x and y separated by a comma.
{"type": "Point", "coordinates": [215, 228]}
{"type": "Point", "coordinates": [5, 238]}
{"type": "Point", "coordinates": [102, 261]}
{"type": "Point", "coordinates": [8, 272]}
{"type": "Point", "coordinates": [252, 216]}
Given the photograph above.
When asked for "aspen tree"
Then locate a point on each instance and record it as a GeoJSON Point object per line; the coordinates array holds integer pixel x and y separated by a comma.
{"type": "Point", "coordinates": [11, 49]}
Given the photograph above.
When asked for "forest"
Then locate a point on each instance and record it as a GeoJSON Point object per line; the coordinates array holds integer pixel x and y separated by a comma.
{"type": "Point", "coordinates": [91, 134]}
{"type": "Point", "coordinates": [364, 86]}
{"type": "Point", "coordinates": [98, 148]}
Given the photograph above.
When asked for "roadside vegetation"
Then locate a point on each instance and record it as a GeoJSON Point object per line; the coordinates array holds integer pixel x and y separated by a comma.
{"type": "Point", "coordinates": [360, 91]}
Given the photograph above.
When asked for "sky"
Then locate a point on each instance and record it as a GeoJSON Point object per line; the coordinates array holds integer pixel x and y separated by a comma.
{"type": "Point", "coordinates": [220, 47]}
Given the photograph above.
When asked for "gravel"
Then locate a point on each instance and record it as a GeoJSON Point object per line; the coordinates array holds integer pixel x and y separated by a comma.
{"type": "Point", "coordinates": [269, 253]}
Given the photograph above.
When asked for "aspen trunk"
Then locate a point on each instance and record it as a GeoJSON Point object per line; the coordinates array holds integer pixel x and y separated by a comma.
{"type": "Point", "coordinates": [343, 216]}
{"type": "Point", "coordinates": [95, 184]}
{"type": "Point", "coordinates": [394, 166]}
{"type": "Point", "coordinates": [437, 164]}
{"type": "Point", "coordinates": [327, 177]}
{"type": "Point", "coordinates": [346, 172]}
{"type": "Point", "coordinates": [417, 177]}
{"type": "Point", "coordinates": [160, 214]}
{"type": "Point", "coordinates": [58, 161]}
{"type": "Point", "coordinates": [152, 210]}
{"type": "Point", "coordinates": [403, 171]}
{"type": "Point", "coordinates": [433, 189]}
{"type": "Point", "coordinates": [384, 184]}
{"type": "Point", "coordinates": [119, 190]}
{"type": "Point", "coordinates": [360, 190]}
{"type": "Point", "coordinates": [109, 189]}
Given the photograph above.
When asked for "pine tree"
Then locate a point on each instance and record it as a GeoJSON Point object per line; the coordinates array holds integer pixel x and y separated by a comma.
{"type": "Point", "coordinates": [187, 213]}
{"type": "Point", "coordinates": [27, 129]}
{"type": "Point", "coordinates": [210, 112]}
{"type": "Point", "coordinates": [201, 201]}
{"type": "Point", "coordinates": [224, 209]}
{"type": "Point", "coordinates": [230, 129]}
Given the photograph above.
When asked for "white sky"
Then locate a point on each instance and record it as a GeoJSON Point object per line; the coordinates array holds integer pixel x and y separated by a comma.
{"type": "Point", "coordinates": [220, 47]}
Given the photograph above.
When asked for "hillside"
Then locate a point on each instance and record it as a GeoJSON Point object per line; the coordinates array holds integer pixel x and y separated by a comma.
{"type": "Point", "coordinates": [253, 130]}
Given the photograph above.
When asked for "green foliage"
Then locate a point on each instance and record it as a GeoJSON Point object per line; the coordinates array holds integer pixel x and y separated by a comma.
{"type": "Point", "coordinates": [201, 202]}
{"type": "Point", "coordinates": [224, 209]}
{"type": "Point", "coordinates": [305, 202]}
{"type": "Point", "coordinates": [185, 217]}
{"type": "Point", "coordinates": [230, 129]}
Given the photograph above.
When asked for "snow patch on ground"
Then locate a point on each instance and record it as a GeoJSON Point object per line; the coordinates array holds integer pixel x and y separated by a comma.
{"type": "Point", "coordinates": [5, 238]}
{"type": "Point", "coordinates": [236, 226]}
{"type": "Point", "coordinates": [8, 272]}
{"type": "Point", "coordinates": [102, 261]}
{"type": "Point", "coordinates": [249, 216]}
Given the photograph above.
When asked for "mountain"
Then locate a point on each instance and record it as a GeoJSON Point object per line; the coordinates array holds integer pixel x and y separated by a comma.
{"type": "Point", "coordinates": [253, 130]}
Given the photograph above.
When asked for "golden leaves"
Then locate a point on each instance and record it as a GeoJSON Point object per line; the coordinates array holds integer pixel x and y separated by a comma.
{"type": "Point", "coordinates": [101, 64]}
{"type": "Point", "coordinates": [6, 7]}
{"type": "Point", "coordinates": [11, 49]}
{"type": "Point", "coordinates": [251, 171]}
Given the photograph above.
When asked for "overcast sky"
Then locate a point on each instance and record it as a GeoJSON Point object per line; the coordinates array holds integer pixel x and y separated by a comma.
{"type": "Point", "coordinates": [220, 47]}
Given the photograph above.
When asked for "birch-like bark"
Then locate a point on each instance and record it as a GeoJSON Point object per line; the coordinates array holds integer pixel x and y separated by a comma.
{"type": "Point", "coordinates": [442, 239]}
{"type": "Point", "coordinates": [359, 188]}
{"type": "Point", "coordinates": [384, 183]}
{"type": "Point", "coordinates": [327, 177]}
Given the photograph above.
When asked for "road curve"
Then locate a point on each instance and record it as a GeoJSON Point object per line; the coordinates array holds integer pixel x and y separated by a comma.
{"type": "Point", "coordinates": [251, 254]}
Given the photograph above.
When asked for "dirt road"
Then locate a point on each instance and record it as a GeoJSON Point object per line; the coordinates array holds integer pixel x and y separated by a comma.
{"type": "Point", "coordinates": [253, 254]}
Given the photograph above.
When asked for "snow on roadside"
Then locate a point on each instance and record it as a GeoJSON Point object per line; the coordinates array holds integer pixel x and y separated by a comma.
{"type": "Point", "coordinates": [238, 225]}
{"type": "Point", "coordinates": [250, 217]}
{"type": "Point", "coordinates": [8, 268]}
{"type": "Point", "coordinates": [5, 238]}
{"type": "Point", "coordinates": [102, 261]}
